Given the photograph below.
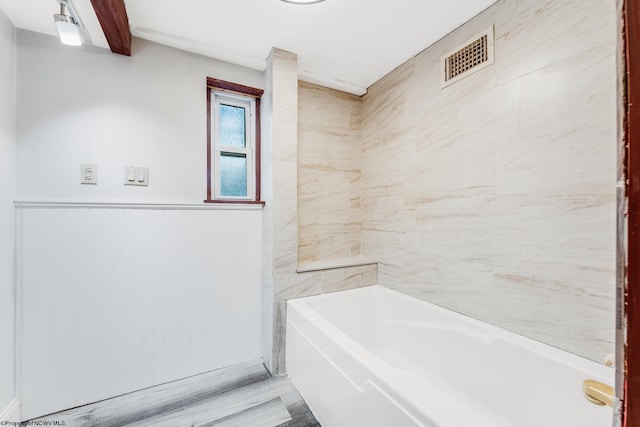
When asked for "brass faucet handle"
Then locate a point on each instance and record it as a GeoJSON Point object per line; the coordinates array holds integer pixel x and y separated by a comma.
{"type": "Point", "coordinates": [598, 393]}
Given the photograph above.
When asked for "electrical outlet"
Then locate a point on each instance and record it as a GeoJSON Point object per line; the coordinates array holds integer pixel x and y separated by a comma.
{"type": "Point", "coordinates": [88, 173]}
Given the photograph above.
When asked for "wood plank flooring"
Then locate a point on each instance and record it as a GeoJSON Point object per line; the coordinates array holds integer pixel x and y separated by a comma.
{"type": "Point", "coordinates": [243, 395]}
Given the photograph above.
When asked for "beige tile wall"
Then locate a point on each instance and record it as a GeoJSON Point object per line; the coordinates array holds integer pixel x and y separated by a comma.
{"type": "Point", "coordinates": [281, 281]}
{"type": "Point", "coordinates": [495, 196]}
{"type": "Point", "coordinates": [329, 211]}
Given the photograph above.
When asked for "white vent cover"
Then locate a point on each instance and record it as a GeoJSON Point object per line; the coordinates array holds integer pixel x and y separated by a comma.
{"type": "Point", "coordinates": [474, 55]}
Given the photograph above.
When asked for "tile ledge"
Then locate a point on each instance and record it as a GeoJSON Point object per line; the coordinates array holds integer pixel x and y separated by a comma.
{"type": "Point", "coordinates": [330, 264]}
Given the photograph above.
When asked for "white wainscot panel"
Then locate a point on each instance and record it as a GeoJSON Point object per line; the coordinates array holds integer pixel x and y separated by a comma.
{"type": "Point", "coordinates": [119, 299]}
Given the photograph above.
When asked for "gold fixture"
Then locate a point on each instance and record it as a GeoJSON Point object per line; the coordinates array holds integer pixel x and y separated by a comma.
{"type": "Point", "coordinates": [598, 393]}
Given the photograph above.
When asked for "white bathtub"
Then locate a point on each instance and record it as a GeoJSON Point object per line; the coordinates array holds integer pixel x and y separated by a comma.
{"type": "Point", "coordinates": [375, 357]}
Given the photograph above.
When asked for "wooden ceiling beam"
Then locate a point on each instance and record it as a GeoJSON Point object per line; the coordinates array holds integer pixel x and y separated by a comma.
{"type": "Point", "coordinates": [113, 18]}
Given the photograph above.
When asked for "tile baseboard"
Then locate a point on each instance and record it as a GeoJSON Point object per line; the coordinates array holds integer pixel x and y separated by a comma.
{"type": "Point", "coordinates": [11, 412]}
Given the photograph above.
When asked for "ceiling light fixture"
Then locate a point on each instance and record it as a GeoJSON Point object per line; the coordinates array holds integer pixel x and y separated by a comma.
{"type": "Point", "coordinates": [302, 1]}
{"type": "Point", "coordinates": [70, 28]}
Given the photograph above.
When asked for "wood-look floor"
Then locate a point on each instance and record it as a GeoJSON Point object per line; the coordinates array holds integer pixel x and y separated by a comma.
{"type": "Point", "coordinates": [243, 395]}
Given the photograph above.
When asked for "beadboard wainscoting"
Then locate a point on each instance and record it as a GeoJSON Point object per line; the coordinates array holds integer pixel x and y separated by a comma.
{"type": "Point", "coordinates": [116, 298]}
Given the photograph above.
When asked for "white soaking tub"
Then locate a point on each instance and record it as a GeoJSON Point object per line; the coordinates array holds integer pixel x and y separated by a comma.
{"type": "Point", "coordinates": [375, 357]}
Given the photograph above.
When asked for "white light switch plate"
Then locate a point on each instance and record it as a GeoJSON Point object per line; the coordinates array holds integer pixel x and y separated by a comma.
{"type": "Point", "coordinates": [88, 173]}
{"type": "Point", "coordinates": [136, 175]}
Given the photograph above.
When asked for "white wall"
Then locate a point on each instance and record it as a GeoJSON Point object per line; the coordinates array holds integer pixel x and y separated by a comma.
{"type": "Point", "coordinates": [7, 192]}
{"type": "Point", "coordinates": [86, 104]}
{"type": "Point", "coordinates": [115, 296]}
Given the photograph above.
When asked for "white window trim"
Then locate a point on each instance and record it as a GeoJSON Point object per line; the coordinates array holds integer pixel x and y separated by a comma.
{"type": "Point", "coordinates": [249, 103]}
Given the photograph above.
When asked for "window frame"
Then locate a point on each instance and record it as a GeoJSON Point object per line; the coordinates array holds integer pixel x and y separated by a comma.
{"type": "Point", "coordinates": [248, 104]}
{"type": "Point", "coordinates": [236, 95]}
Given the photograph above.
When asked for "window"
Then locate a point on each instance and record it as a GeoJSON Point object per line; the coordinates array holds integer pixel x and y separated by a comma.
{"type": "Point", "coordinates": [233, 143]}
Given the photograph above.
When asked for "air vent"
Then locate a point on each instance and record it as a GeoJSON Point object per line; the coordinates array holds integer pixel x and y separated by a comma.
{"type": "Point", "coordinates": [465, 60]}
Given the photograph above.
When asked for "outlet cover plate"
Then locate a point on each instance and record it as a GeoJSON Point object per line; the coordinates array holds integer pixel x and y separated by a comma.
{"type": "Point", "coordinates": [88, 173]}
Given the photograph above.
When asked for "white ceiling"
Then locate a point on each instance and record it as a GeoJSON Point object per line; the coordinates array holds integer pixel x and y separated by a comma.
{"type": "Point", "coordinates": [344, 44]}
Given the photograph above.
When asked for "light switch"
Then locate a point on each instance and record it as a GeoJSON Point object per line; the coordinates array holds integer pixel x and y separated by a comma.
{"type": "Point", "coordinates": [88, 173]}
{"type": "Point", "coordinates": [136, 175]}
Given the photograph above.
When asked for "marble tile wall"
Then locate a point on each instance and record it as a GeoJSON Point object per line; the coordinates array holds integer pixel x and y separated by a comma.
{"type": "Point", "coordinates": [280, 221]}
{"type": "Point", "coordinates": [495, 197]}
{"type": "Point", "coordinates": [329, 211]}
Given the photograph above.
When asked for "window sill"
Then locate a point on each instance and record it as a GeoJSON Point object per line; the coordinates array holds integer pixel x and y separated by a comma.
{"type": "Point", "coordinates": [330, 264]}
{"type": "Point", "coordinates": [236, 202]}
